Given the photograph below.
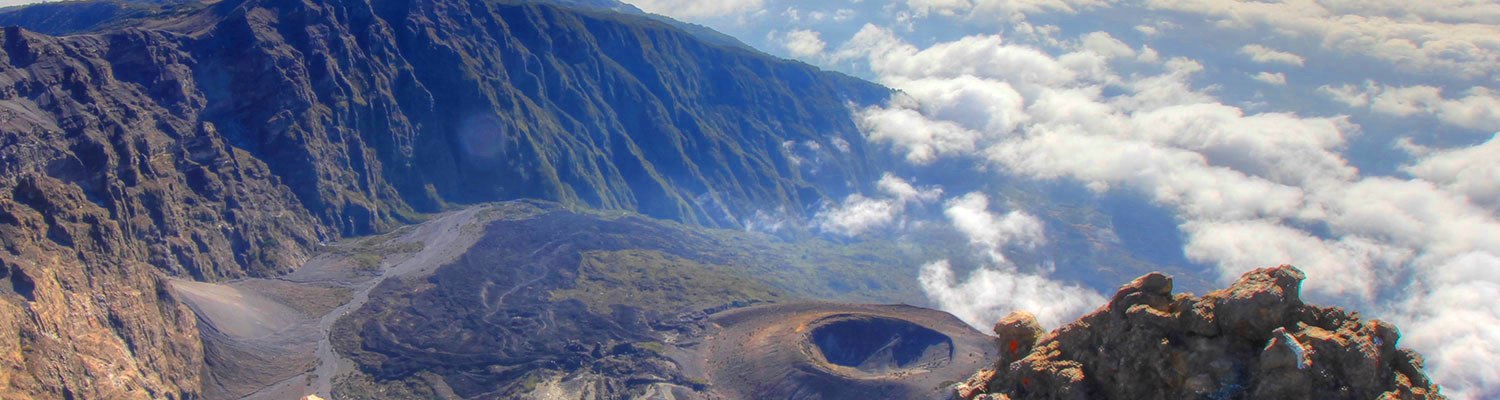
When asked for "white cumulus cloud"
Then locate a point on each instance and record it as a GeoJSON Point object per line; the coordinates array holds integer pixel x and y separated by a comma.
{"type": "Point", "coordinates": [1267, 55]}
{"type": "Point", "coordinates": [859, 214]}
{"type": "Point", "coordinates": [1250, 189]}
{"type": "Point", "coordinates": [1000, 287]}
{"type": "Point", "coordinates": [1478, 109]}
{"type": "Point", "coordinates": [1471, 171]}
{"type": "Point", "coordinates": [804, 44]}
{"type": "Point", "coordinates": [989, 232]}
{"type": "Point", "coordinates": [1271, 78]}
{"type": "Point", "coordinates": [989, 293]}
{"type": "Point", "coordinates": [688, 9]}
{"type": "Point", "coordinates": [1459, 37]}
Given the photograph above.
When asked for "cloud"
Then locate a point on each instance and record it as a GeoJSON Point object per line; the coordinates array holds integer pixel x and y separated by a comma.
{"type": "Point", "coordinates": [989, 293]}
{"type": "Point", "coordinates": [768, 222]}
{"type": "Point", "coordinates": [689, 9]}
{"type": "Point", "coordinates": [982, 56]}
{"type": "Point", "coordinates": [986, 108]}
{"type": "Point", "coordinates": [1008, 9]}
{"type": "Point", "coordinates": [1155, 28]}
{"type": "Point", "coordinates": [804, 44]}
{"type": "Point", "coordinates": [940, 7]}
{"type": "Point", "coordinates": [991, 233]}
{"type": "Point", "coordinates": [999, 287]}
{"type": "Point", "coordinates": [904, 192]}
{"type": "Point", "coordinates": [859, 214]}
{"type": "Point", "coordinates": [1459, 37]}
{"type": "Point", "coordinates": [1242, 245]}
{"type": "Point", "coordinates": [963, 95]}
{"type": "Point", "coordinates": [1478, 110]}
{"type": "Point", "coordinates": [1020, 8]}
{"type": "Point", "coordinates": [1249, 189]}
{"type": "Point", "coordinates": [1276, 79]}
{"type": "Point", "coordinates": [1105, 45]}
{"type": "Point", "coordinates": [1453, 322]}
{"type": "Point", "coordinates": [905, 127]}
{"type": "Point", "coordinates": [844, 14]}
{"type": "Point", "coordinates": [1473, 172]}
{"type": "Point", "coordinates": [1267, 55]}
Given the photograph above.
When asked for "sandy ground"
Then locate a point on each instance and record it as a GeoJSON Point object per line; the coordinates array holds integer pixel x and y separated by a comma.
{"type": "Point", "coordinates": [250, 339]}
{"type": "Point", "coordinates": [252, 323]}
{"type": "Point", "coordinates": [234, 312]}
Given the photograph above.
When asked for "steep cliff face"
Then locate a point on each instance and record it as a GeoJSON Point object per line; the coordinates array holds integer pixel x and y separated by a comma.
{"type": "Point", "coordinates": [230, 140]}
{"type": "Point", "coordinates": [390, 104]}
{"type": "Point", "coordinates": [108, 181]}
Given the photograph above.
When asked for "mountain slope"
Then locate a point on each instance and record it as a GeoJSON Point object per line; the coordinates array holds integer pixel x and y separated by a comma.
{"type": "Point", "coordinates": [232, 140]}
{"type": "Point", "coordinates": [78, 16]}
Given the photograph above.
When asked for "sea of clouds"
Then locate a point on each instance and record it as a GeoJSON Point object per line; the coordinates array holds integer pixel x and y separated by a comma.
{"type": "Point", "coordinates": [1357, 140]}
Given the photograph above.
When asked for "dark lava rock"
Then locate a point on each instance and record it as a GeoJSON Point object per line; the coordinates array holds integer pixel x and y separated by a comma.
{"type": "Point", "coordinates": [1253, 340]}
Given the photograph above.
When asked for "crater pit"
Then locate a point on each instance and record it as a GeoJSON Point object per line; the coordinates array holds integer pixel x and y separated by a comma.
{"type": "Point", "coordinates": [879, 345]}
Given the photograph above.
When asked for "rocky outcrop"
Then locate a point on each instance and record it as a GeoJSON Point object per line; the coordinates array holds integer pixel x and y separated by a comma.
{"type": "Point", "coordinates": [1255, 339]}
{"type": "Point", "coordinates": [107, 185]}
{"type": "Point", "coordinates": [229, 139]}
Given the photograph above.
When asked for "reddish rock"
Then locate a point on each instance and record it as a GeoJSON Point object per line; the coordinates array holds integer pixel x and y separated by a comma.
{"type": "Point", "coordinates": [1016, 334]}
{"type": "Point", "coordinates": [1255, 339]}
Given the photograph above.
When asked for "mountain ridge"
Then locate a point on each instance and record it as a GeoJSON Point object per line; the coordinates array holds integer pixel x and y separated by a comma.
{"type": "Point", "coordinates": [231, 141]}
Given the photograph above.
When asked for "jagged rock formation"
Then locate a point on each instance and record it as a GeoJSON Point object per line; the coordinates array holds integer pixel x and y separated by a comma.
{"type": "Point", "coordinates": [1254, 340]}
{"type": "Point", "coordinates": [229, 139]}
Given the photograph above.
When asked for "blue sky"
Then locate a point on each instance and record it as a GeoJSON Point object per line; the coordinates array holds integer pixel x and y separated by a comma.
{"type": "Point", "coordinates": [1355, 139]}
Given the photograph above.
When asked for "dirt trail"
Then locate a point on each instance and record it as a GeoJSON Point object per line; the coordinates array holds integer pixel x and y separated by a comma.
{"type": "Point", "coordinates": [443, 238]}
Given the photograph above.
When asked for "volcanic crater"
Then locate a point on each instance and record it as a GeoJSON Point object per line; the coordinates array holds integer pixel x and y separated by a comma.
{"type": "Point", "coordinates": [834, 351]}
{"type": "Point", "coordinates": [877, 345]}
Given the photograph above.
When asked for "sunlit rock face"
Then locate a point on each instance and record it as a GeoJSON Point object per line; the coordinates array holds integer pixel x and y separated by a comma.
{"type": "Point", "coordinates": [1255, 339]}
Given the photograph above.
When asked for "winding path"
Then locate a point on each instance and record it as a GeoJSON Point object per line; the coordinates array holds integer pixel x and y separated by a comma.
{"type": "Point", "coordinates": [443, 239]}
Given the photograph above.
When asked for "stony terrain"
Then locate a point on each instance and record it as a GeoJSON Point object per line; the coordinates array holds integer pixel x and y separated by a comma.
{"type": "Point", "coordinates": [586, 305]}
{"type": "Point", "coordinates": [530, 298]}
{"type": "Point", "coordinates": [1253, 340]}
